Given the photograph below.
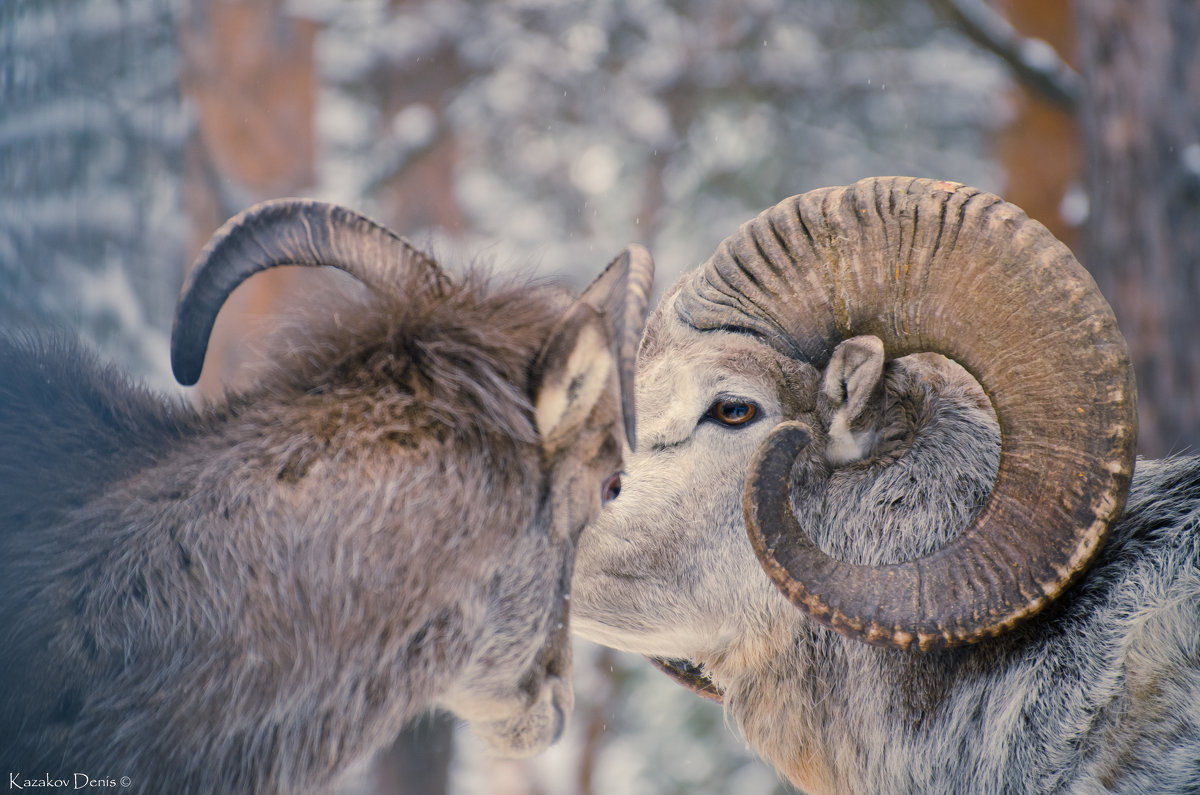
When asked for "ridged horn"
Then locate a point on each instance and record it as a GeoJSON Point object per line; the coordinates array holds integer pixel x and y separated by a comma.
{"type": "Point", "coordinates": [284, 232]}
{"type": "Point", "coordinates": [622, 293]}
{"type": "Point", "coordinates": [937, 266]}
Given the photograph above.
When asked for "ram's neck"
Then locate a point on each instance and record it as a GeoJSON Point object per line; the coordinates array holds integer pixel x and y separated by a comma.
{"type": "Point", "coordinates": [779, 707]}
{"type": "Point", "coordinates": [836, 716]}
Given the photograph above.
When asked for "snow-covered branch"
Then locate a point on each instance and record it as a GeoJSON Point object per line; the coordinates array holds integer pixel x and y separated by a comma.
{"type": "Point", "coordinates": [1035, 63]}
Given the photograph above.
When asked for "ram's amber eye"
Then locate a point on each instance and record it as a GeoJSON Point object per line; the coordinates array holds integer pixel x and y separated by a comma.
{"type": "Point", "coordinates": [611, 489]}
{"type": "Point", "coordinates": [732, 412]}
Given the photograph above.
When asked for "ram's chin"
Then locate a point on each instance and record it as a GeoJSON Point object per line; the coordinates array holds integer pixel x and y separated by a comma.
{"type": "Point", "coordinates": [614, 637]}
{"type": "Point", "coordinates": [631, 636]}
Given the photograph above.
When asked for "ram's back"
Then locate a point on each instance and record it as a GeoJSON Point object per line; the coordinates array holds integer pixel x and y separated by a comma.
{"type": "Point", "coordinates": [1145, 731]}
{"type": "Point", "coordinates": [1101, 693]}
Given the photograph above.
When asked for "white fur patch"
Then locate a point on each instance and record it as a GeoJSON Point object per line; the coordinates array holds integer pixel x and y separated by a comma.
{"type": "Point", "coordinates": [845, 446]}
{"type": "Point", "coordinates": [569, 396]}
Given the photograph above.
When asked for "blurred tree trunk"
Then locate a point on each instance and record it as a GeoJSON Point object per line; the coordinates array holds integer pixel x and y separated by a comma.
{"type": "Point", "coordinates": [1040, 147]}
{"type": "Point", "coordinates": [1140, 112]}
{"type": "Point", "coordinates": [1137, 107]}
{"type": "Point", "coordinates": [248, 74]}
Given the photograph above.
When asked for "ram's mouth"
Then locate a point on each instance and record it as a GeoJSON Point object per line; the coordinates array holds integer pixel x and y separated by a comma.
{"type": "Point", "coordinates": [691, 676]}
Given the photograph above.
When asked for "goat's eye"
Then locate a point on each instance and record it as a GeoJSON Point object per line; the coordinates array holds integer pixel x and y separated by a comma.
{"type": "Point", "coordinates": [611, 488]}
{"type": "Point", "coordinates": [732, 412]}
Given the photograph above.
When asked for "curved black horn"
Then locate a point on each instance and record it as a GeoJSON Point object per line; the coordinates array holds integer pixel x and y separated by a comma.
{"type": "Point", "coordinates": [283, 232]}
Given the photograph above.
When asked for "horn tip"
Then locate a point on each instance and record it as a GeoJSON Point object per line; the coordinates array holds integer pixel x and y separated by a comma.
{"type": "Point", "coordinates": [185, 371]}
{"type": "Point", "coordinates": [630, 431]}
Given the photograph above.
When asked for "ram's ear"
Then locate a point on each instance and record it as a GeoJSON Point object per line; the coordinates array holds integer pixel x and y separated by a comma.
{"type": "Point", "coordinates": [574, 371]}
{"type": "Point", "coordinates": [851, 380]}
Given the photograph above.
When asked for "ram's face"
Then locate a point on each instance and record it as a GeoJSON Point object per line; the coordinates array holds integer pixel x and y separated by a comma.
{"type": "Point", "coordinates": [667, 569]}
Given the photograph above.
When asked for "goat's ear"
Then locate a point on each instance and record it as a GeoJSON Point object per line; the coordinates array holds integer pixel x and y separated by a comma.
{"type": "Point", "coordinates": [851, 379]}
{"type": "Point", "coordinates": [574, 370]}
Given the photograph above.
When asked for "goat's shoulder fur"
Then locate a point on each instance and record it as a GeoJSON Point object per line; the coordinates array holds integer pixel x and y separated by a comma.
{"type": "Point", "coordinates": [70, 423]}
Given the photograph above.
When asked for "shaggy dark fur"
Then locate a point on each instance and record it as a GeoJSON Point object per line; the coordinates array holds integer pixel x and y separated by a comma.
{"type": "Point", "coordinates": [249, 597]}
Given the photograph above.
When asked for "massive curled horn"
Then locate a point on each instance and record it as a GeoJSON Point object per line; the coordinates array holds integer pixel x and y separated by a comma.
{"type": "Point", "coordinates": [284, 232]}
{"type": "Point", "coordinates": [937, 266]}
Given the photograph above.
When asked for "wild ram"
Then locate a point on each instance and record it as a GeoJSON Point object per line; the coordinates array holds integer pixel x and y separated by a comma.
{"type": "Point", "coordinates": [249, 597]}
{"type": "Point", "coordinates": [804, 444]}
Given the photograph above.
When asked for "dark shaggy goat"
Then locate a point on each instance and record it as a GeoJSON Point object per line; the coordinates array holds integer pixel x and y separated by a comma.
{"type": "Point", "coordinates": [249, 597]}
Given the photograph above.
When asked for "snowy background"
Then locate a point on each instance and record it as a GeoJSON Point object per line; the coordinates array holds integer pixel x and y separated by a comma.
{"type": "Point", "coordinates": [540, 135]}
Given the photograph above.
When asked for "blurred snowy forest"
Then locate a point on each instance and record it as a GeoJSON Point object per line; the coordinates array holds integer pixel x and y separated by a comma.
{"type": "Point", "coordinates": [543, 135]}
